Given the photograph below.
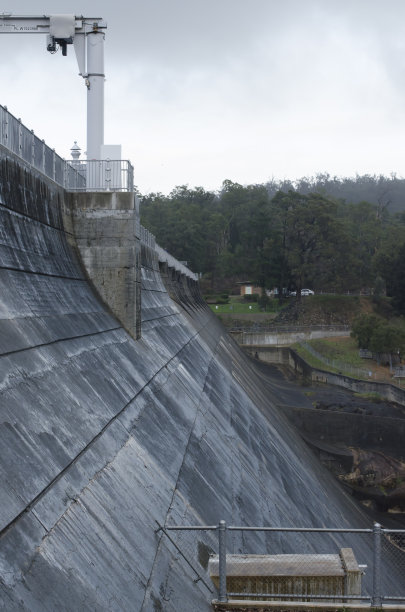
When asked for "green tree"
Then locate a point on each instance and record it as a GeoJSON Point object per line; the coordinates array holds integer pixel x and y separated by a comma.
{"type": "Point", "coordinates": [387, 339]}
{"type": "Point", "coordinates": [363, 328]}
{"type": "Point", "coordinates": [247, 210]}
{"type": "Point", "coordinates": [185, 224]}
{"type": "Point", "coordinates": [391, 264]}
{"type": "Point", "coordinates": [292, 240]}
{"type": "Point", "coordinates": [311, 238]}
{"type": "Point", "coordinates": [365, 229]}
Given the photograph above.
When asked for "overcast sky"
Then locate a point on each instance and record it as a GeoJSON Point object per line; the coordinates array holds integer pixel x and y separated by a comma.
{"type": "Point", "coordinates": [199, 91]}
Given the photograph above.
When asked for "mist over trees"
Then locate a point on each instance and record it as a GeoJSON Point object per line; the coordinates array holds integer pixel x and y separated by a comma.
{"type": "Point", "coordinates": [385, 192]}
{"type": "Point", "coordinates": [325, 233]}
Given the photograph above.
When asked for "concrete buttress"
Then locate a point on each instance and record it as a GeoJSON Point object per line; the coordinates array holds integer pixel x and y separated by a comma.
{"type": "Point", "coordinates": [106, 228]}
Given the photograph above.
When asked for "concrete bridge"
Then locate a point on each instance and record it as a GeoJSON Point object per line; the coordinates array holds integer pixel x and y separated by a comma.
{"type": "Point", "coordinates": [125, 404]}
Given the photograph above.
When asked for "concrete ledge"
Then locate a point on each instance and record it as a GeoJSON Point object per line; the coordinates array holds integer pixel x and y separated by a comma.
{"type": "Point", "coordinates": [274, 354]}
{"type": "Point", "coordinates": [107, 200]}
{"type": "Point", "coordinates": [293, 606]}
{"type": "Point", "coordinates": [284, 338]}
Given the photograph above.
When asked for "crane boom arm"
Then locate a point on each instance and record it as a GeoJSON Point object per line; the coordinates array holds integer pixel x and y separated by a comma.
{"type": "Point", "coordinates": [67, 29]}
{"type": "Point", "coordinates": [41, 24]}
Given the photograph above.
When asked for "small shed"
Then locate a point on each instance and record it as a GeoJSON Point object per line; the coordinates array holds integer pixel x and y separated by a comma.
{"type": "Point", "coordinates": [273, 577]}
{"type": "Point", "coordinates": [249, 288]}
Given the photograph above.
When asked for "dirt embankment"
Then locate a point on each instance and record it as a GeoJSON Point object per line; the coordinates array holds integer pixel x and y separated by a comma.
{"type": "Point", "coordinates": [313, 310]}
{"type": "Point", "coordinates": [324, 310]}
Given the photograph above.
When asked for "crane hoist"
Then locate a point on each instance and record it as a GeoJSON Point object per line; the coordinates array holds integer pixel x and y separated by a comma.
{"type": "Point", "coordinates": [86, 34]}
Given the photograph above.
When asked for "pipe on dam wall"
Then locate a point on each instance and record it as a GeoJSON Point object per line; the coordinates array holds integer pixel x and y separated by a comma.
{"type": "Point", "coordinates": [103, 436]}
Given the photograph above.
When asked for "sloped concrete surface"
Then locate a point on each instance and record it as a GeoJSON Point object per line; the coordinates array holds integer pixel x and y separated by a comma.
{"type": "Point", "coordinates": [103, 437]}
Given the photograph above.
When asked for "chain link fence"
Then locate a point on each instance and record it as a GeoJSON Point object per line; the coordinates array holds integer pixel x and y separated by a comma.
{"type": "Point", "coordinates": [294, 564]}
{"type": "Point", "coordinates": [393, 554]}
{"type": "Point", "coordinates": [343, 368]}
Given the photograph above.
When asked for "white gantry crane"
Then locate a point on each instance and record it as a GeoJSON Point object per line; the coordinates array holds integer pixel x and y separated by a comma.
{"type": "Point", "coordinates": [87, 36]}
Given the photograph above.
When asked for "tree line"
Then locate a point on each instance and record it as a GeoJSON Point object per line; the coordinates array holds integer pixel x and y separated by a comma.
{"type": "Point", "coordinates": [290, 237]}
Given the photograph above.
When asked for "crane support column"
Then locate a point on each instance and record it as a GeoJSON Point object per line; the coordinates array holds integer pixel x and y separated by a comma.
{"type": "Point", "coordinates": [95, 92]}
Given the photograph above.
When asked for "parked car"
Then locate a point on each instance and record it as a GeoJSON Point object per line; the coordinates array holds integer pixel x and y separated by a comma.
{"type": "Point", "coordinates": [304, 292]}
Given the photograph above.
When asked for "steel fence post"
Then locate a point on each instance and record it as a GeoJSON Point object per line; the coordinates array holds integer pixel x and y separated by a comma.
{"type": "Point", "coordinates": [32, 148]}
{"type": "Point", "coordinates": [53, 164]}
{"type": "Point", "coordinates": [222, 595]}
{"type": "Point", "coordinates": [19, 152]}
{"type": "Point", "coordinates": [376, 599]}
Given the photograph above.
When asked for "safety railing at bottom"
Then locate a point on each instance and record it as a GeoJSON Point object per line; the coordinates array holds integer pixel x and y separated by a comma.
{"type": "Point", "coordinates": [294, 564]}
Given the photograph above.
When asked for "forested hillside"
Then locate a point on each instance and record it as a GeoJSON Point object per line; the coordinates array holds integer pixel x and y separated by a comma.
{"type": "Point", "coordinates": [327, 234]}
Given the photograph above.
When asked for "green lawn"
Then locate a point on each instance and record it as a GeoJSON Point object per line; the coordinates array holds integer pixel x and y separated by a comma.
{"type": "Point", "coordinates": [237, 306]}
{"type": "Point", "coordinates": [311, 360]}
{"type": "Point", "coordinates": [343, 356]}
{"type": "Point", "coordinates": [341, 349]}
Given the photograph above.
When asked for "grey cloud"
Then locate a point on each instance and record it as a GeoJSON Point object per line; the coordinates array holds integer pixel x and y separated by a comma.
{"type": "Point", "coordinates": [268, 87]}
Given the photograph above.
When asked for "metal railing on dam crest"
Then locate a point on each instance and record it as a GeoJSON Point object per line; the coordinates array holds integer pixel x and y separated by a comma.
{"type": "Point", "coordinates": [72, 175]}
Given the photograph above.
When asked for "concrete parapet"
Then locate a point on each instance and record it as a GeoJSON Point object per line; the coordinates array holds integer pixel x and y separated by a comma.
{"type": "Point", "coordinates": [307, 576]}
{"type": "Point", "coordinates": [278, 337]}
{"type": "Point", "coordinates": [352, 572]}
{"type": "Point", "coordinates": [104, 200]}
{"type": "Point", "coordinates": [268, 354]}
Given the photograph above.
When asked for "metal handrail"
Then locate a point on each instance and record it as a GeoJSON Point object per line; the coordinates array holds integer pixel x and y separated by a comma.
{"type": "Point", "coordinates": [172, 262]}
{"type": "Point", "coordinates": [90, 175]}
{"type": "Point", "coordinates": [101, 175]}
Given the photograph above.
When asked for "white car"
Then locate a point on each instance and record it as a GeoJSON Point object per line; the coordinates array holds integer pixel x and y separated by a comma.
{"type": "Point", "coordinates": [304, 292]}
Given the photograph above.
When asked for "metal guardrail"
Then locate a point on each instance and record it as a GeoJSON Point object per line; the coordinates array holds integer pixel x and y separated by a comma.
{"type": "Point", "coordinates": [148, 239]}
{"type": "Point", "coordinates": [100, 175]}
{"type": "Point", "coordinates": [18, 139]}
{"type": "Point", "coordinates": [90, 175]}
{"type": "Point", "coordinates": [256, 573]}
{"type": "Point", "coordinates": [164, 256]}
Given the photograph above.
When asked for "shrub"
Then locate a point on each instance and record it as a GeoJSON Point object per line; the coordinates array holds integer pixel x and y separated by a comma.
{"type": "Point", "coordinates": [253, 297]}
{"type": "Point", "coordinates": [363, 328]}
{"type": "Point", "coordinates": [223, 298]}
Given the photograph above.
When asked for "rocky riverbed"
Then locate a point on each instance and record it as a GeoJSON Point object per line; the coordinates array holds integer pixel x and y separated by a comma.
{"type": "Point", "coordinates": [354, 436]}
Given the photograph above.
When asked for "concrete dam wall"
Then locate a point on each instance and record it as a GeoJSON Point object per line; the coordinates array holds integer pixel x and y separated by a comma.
{"type": "Point", "coordinates": [104, 435]}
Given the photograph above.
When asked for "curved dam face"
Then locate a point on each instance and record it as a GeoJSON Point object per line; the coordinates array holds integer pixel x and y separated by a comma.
{"type": "Point", "coordinates": [104, 437]}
